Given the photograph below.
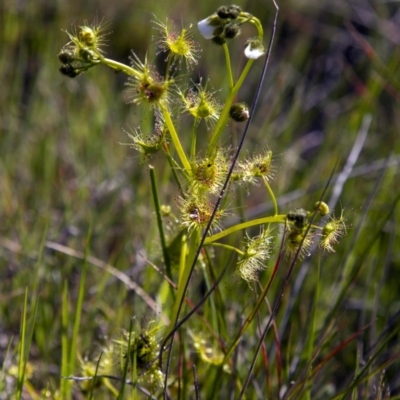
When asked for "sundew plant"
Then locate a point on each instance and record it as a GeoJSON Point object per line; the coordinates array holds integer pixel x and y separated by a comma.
{"type": "Point", "coordinates": [218, 322]}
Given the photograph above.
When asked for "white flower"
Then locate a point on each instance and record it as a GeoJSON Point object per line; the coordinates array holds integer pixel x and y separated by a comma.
{"type": "Point", "coordinates": [254, 49]}
{"type": "Point", "coordinates": [207, 27]}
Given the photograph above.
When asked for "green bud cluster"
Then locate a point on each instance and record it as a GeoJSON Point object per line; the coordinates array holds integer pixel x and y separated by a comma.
{"type": "Point", "coordinates": [83, 51]}
{"type": "Point", "coordinates": [301, 233]}
{"type": "Point", "coordinates": [223, 24]}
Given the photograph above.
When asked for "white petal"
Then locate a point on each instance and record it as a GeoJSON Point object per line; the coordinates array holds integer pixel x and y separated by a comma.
{"type": "Point", "coordinates": [253, 53]}
{"type": "Point", "coordinates": [206, 29]}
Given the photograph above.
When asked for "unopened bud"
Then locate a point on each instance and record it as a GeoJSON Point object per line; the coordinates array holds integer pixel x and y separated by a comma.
{"type": "Point", "coordinates": [298, 217]}
{"type": "Point", "coordinates": [322, 208]}
{"type": "Point", "coordinates": [231, 31]}
{"type": "Point", "coordinates": [239, 112]}
{"type": "Point", "coordinates": [219, 40]}
{"type": "Point", "coordinates": [222, 12]}
{"type": "Point", "coordinates": [69, 70]}
{"type": "Point", "coordinates": [165, 210]}
{"type": "Point", "coordinates": [66, 56]}
{"type": "Point", "coordinates": [234, 11]}
{"type": "Point", "coordinates": [87, 35]}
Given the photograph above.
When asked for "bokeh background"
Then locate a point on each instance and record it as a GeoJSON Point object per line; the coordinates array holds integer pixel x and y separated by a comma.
{"type": "Point", "coordinates": [333, 81]}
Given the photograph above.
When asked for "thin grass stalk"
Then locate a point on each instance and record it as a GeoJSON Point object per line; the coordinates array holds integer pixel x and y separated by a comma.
{"type": "Point", "coordinates": [160, 224]}
{"type": "Point", "coordinates": [93, 385]}
{"type": "Point", "coordinates": [125, 362]}
{"type": "Point", "coordinates": [65, 384]}
{"type": "Point", "coordinates": [312, 332]}
{"type": "Point", "coordinates": [213, 309]}
{"type": "Point", "coordinates": [79, 306]}
{"type": "Point", "coordinates": [21, 348]}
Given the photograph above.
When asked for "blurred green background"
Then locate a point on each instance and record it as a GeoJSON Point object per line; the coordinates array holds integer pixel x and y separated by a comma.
{"type": "Point", "coordinates": [334, 72]}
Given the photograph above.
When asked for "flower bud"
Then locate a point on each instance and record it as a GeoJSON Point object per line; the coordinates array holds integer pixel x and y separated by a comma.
{"type": "Point", "coordinates": [234, 11]}
{"type": "Point", "coordinates": [210, 26]}
{"type": "Point", "coordinates": [322, 208]}
{"type": "Point", "coordinates": [165, 210]}
{"type": "Point", "coordinates": [87, 36]}
{"type": "Point", "coordinates": [239, 112]}
{"type": "Point", "coordinates": [222, 12]}
{"type": "Point", "coordinates": [231, 31]}
{"type": "Point", "coordinates": [69, 70]}
{"type": "Point", "coordinates": [66, 56]}
{"type": "Point", "coordinates": [298, 217]}
{"type": "Point", "coordinates": [87, 55]}
{"type": "Point", "coordinates": [219, 40]}
{"type": "Point", "coordinates": [229, 12]}
{"type": "Point", "coordinates": [254, 49]}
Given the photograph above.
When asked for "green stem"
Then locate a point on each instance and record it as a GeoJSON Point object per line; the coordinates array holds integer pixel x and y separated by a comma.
{"type": "Point", "coordinates": [174, 166]}
{"type": "Point", "coordinates": [271, 193]}
{"type": "Point", "coordinates": [167, 68]}
{"type": "Point", "coordinates": [167, 117]}
{"type": "Point", "coordinates": [223, 119]}
{"type": "Point", "coordinates": [226, 246]}
{"type": "Point", "coordinates": [247, 17]}
{"type": "Point", "coordinates": [120, 67]}
{"type": "Point", "coordinates": [79, 305]}
{"type": "Point", "coordinates": [276, 219]}
{"type": "Point", "coordinates": [228, 65]}
{"type": "Point", "coordinates": [160, 223]}
{"type": "Point", "coordinates": [175, 139]}
{"type": "Point", "coordinates": [185, 265]}
{"type": "Point", "coordinates": [213, 316]}
{"type": "Point", "coordinates": [256, 22]}
{"type": "Point", "coordinates": [21, 350]}
{"type": "Point", "coordinates": [65, 384]}
{"type": "Point", "coordinates": [194, 137]}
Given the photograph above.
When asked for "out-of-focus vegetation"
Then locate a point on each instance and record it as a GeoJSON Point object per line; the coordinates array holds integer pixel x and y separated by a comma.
{"type": "Point", "coordinates": [68, 188]}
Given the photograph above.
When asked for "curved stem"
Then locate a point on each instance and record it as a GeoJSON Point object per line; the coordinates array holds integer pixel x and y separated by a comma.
{"type": "Point", "coordinates": [120, 67]}
{"type": "Point", "coordinates": [276, 219]}
{"type": "Point", "coordinates": [226, 246]}
{"type": "Point", "coordinates": [271, 193]}
{"type": "Point", "coordinates": [251, 19]}
{"type": "Point", "coordinates": [256, 22]}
